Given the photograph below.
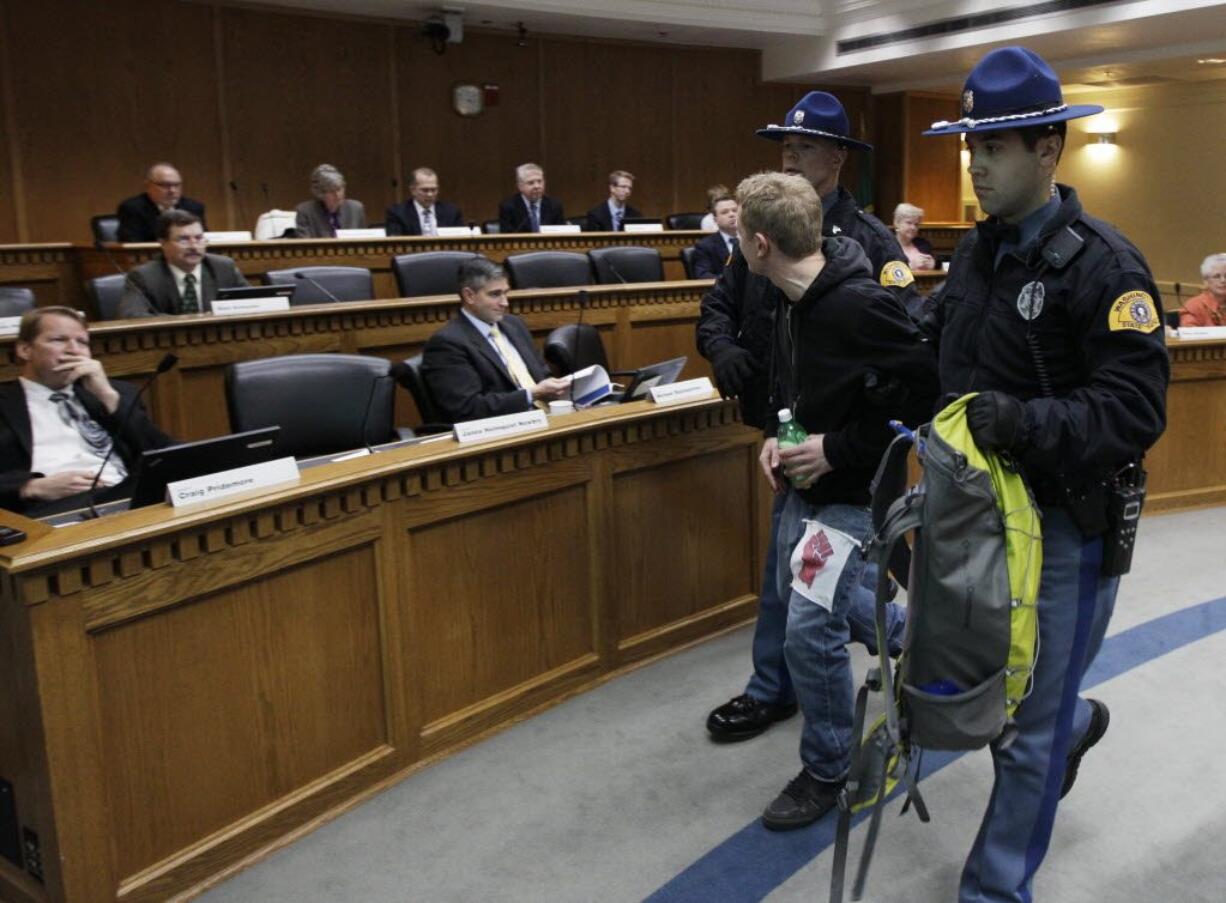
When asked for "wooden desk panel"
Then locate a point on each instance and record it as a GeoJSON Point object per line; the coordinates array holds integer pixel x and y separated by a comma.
{"type": "Point", "coordinates": [186, 689]}
{"type": "Point", "coordinates": [50, 269]}
{"type": "Point", "coordinates": [1188, 464]}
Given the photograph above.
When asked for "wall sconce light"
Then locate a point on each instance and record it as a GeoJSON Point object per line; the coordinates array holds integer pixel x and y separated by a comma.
{"type": "Point", "coordinates": [1103, 138]}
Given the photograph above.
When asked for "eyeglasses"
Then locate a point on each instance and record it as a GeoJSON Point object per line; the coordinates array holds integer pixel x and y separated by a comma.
{"type": "Point", "coordinates": [184, 240]}
{"type": "Point", "coordinates": [168, 185]}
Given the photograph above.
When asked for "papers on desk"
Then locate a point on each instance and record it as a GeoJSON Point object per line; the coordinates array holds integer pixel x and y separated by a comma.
{"type": "Point", "coordinates": [1183, 332]}
{"type": "Point", "coordinates": [458, 231]}
{"type": "Point", "coordinates": [231, 238]}
{"type": "Point", "coordinates": [361, 233]}
{"type": "Point", "coordinates": [589, 385]}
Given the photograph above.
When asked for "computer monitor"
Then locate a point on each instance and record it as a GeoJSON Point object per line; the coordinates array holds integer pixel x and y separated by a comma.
{"type": "Point", "coordinates": [239, 292]}
{"type": "Point", "coordinates": [159, 467]}
{"type": "Point", "coordinates": [645, 378]}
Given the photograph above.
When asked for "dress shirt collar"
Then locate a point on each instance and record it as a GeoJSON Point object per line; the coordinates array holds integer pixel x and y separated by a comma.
{"type": "Point", "coordinates": [180, 275]}
{"type": "Point", "coordinates": [422, 210]}
{"type": "Point", "coordinates": [482, 327]}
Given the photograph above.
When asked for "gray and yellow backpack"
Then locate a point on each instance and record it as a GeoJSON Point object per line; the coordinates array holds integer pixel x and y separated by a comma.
{"type": "Point", "coordinates": [972, 621]}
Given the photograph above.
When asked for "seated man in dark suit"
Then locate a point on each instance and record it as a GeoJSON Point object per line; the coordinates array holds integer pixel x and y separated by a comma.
{"type": "Point", "coordinates": [423, 212]}
{"type": "Point", "coordinates": [529, 209]}
{"type": "Point", "coordinates": [712, 252]}
{"type": "Point", "coordinates": [138, 216]}
{"type": "Point", "coordinates": [61, 416]}
{"type": "Point", "coordinates": [610, 216]}
{"type": "Point", "coordinates": [483, 363]}
{"type": "Point", "coordinates": [330, 210]}
{"type": "Point", "coordinates": [184, 280]}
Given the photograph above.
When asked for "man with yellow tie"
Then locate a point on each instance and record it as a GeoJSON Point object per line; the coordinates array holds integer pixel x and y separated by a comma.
{"type": "Point", "coordinates": [483, 362]}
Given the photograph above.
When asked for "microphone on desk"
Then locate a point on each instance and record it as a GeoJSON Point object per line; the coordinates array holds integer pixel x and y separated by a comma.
{"type": "Point", "coordinates": [238, 202]}
{"type": "Point", "coordinates": [264, 189]}
{"type": "Point", "coordinates": [612, 269]}
{"type": "Point", "coordinates": [166, 363]}
{"type": "Point", "coordinates": [306, 278]}
{"type": "Point", "coordinates": [574, 346]}
{"type": "Point", "coordinates": [370, 402]}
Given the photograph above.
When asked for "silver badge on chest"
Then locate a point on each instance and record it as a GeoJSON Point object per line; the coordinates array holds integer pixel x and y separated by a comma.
{"type": "Point", "coordinates": [1030, 300]}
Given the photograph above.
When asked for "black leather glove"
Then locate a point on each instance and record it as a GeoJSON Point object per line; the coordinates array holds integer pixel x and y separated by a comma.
{"type": "Point", "coordinates": [995, 420]}
{"type": "Point", "coordinates": [732, 365]}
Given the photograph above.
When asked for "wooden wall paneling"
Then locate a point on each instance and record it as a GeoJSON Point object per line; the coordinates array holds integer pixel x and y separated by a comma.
{"type": "Point", "coordinates": [1195, 408]}
{"type": "Point", "coordinates": [90, 128]}
{"type": "Point", "coordinates": [12, 186]}
{"type": "Point", "coordinates": [607, 106]}
{"type": "Point", "coordinates": [301, 91]}
{"type": "Point", "coordinates": [890, 143]}
{"type": "Point", "coordinates": [474, 157]}
{"type": "Point", "coordinates": [932, 179]}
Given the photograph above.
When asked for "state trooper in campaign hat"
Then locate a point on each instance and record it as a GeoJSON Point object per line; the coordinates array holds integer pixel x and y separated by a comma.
{"type": "Point", "coordinates": [1053, 318]}
{"type": "Point", "coordinates": [734, 333]}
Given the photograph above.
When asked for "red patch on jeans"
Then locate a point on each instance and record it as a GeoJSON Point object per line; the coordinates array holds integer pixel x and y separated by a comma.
{"type": "Point", "coordinates": [813, 556]}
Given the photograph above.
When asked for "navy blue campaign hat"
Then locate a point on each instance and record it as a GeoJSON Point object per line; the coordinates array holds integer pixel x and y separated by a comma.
{"type": "Point", "coordinates": [1011, 88]}
{"type": "Point", "coordinates": [819, 114]}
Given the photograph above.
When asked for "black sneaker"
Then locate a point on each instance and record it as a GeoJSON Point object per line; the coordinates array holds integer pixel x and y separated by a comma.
{"type": "Point", "coordinates": [745, 717]}
{"type": "Point", "coordinates": [804, 800]}
{"type": "Point", "coordinates": [1100, 718]}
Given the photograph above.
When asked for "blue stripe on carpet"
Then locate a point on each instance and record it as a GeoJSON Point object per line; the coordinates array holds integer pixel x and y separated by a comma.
{"type": "Point", "coordinates": [754, 861]}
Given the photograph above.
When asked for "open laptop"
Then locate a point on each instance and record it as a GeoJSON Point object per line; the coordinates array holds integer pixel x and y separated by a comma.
{"type": "Point", "coordinates": [240, 292]}
{"type": "Point", "coordinates": [645, 378]}
{"type": "Point", "coordinates": [159, 467]}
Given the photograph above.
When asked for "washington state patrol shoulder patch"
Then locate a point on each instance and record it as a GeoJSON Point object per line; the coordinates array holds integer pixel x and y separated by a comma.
{"type": "Point", "coordinates": [1135, 311]}
{"type": "Point", "coordinates": [896, 274]}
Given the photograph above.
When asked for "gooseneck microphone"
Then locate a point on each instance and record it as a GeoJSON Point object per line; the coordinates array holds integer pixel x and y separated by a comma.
{"type": "Point", "coordinates": [306, 278]}
{"type": "Point", "coordinates": [574, 346]}
{"type": "Point", "coordinates": [166, 363]}
{"type": "Point", "coordinates": [612, 269]}
{"type": "Point", "coordinates": [370, 405]}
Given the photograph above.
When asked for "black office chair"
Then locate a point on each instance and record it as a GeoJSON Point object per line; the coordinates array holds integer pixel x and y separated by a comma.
{"type": "Point", "coordinates": [107, 292]}
{"type": "Point", "coordinates": [15, 301]}
{"type": "Point", "coordinates": [687, 261]}
{"type": "Point", "coordinates": [105, 228]}
{"type": "Point", "coordinates": [491, 227]}
{"type": "Point", "coordinates": [344, 284]}
{"type": "Point", "coordinates": [684, 220]}
{"type": "Point", "coordinates": [408, 374]}
{"type": "Point", "coordinates": [1171, 318]}
{"type": "Point", "coordinates": [429, 272]}
{"type": "Point", "coordinates": [324, 403]}
{"type": "Point", "coordinates": [629, 264]}
{"type": "Point", "coordinates": [548, 269]}
{"type": "Point", "coordinates": [580, 221]}
{"type": "Point", "coordinates": [575, 346]}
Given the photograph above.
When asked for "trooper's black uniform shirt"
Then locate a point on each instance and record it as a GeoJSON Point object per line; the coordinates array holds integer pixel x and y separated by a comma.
{"type": "Point", "coordinates": [1071, 325]}
{"type": "Point", "coordinates": [739, 308]}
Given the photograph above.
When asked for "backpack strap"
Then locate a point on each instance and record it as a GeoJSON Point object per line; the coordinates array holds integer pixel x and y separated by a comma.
{"type": "Point", "coordinates": [848, 796]}
{"type": "Point", "coordinates": [888, 484]}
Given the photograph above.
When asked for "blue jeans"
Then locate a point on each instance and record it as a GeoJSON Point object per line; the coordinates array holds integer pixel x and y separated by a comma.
{"type": "Point", "coordinates": [770, 681]}
{"type": "Point", "coordinates": [815, 643]}
{"type": "Point", "coordinates": [1075, 605]}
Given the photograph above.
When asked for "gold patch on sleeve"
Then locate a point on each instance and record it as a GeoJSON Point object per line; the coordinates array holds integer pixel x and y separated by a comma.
{"type": "Point", "coordinates": [1133, 310]}
{"type": "Point", "coordinates": [896, 274]}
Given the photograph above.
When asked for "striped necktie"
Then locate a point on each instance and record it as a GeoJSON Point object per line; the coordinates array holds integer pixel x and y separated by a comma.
{"type": "Point", "coordinates": [534, 214]}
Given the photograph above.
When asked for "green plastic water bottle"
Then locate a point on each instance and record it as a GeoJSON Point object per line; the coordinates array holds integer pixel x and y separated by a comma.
{"type": "Point", "coordinates": [791, 434]}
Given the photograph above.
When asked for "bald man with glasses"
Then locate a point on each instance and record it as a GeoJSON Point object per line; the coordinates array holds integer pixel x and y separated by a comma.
{"type": "Point", "coordinates": [138, 215]}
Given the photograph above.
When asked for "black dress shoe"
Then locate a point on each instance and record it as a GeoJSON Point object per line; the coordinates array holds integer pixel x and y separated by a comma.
{"type": "Point", "coordinates": [1100, 718]}
{"type": "Point", "coordinates": [745, 717]}
{"type": "Point", "coordinates": [803, 801]}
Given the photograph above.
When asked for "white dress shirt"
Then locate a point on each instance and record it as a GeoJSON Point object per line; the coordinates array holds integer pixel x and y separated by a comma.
{"type": "Point", "coordinates": [432, 229]}
{"type": "Point", "coordinates": [181, 277]}
{"type": "Point", "coordinates": [58, 446]}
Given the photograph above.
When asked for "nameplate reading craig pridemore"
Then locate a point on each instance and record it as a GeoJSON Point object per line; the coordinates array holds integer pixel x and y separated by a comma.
{"type": "Point", "coordinates": [225, 483]}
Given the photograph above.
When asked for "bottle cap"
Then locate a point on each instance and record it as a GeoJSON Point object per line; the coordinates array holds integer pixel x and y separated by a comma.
{"type": "Point", "coordinates": [784, 415]}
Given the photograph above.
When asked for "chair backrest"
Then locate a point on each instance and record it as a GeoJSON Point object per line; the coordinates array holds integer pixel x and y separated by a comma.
{"type": "Point", "coordinates": [15, 300]}
{"type": "Point", "coordinates": [573, 347]}
{"type": "Point", "coordinates": [491, 227]}
{"type": "Point", "coordinates": [630, 264]}
{"type": "Point", "coordinates": [408, 374]}
{"type": "Point", "coordinates": [320, 401]}
{"type": "Point", "coordinates": [107, 292]}
{"type": "Point", "coordinates": [687, 261]}
{"type": "Point", "coordinates": [429, 272]}
{"type": "Point", "coordinates": [548, 269]}
{"type": "Point", "coordinates": [345, 283]}
{"type": "Point", "coordinates": [684, 220]}
{"type": "Point", "coordinates": [105, 228]}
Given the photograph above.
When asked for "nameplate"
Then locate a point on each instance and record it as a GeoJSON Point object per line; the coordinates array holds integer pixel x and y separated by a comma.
{"type": "Point", "coordinates": [1184, 332]}
{"type": "Point", "coordinates": [9, 325]}
{"type": "Point", "coordinates": [500, 427]}
{"type": "Point", "coordinates": [361, 233]}
{"type": "Point", "coordinates": [569, 227]}
{"type": "Point", "coordinates": [456, 231]}
{"type": "Point", "coordinates": [250, 306]}
{"type": "Point", "coordinates": [225, 483]}
{"type": "Point", "coordinates": [642, 227]}
{"type": "Point", "coordinates": [227, 237]}
{"type": "Point", "coordinates": [686, 390]}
